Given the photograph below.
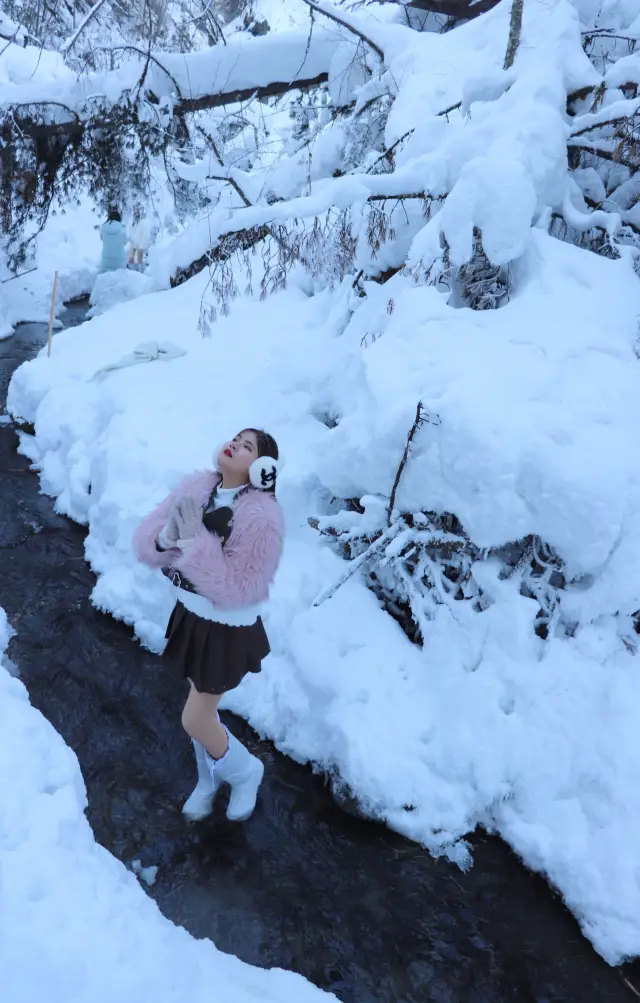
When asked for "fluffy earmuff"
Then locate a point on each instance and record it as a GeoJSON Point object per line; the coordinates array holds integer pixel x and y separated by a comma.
{"type": "Point", "coordinates": [263, 473]}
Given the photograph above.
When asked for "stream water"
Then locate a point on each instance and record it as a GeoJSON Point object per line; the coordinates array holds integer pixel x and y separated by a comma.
{"type": "Point", "coordinates": [302, 885]}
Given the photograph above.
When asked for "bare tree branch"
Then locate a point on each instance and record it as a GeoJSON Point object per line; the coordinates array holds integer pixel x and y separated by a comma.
{"type": "Point", "coordinates": [224, 248]}
{"type": "Point", "coordinates": [234, 184]}
{"type": "Point", "coordinates": [148, 57]}
{"type": "Point", "coordinates": [620, 117]}
{"type": "Point", "coordinates": [615, 156]}
{"type": "Point", "coordinates": [345, 24]}
{"type": "Point", "coordinates": [608, 33]}
{"type": "Point", "coordinates": [274, 89]}
{"type": "Point", "coordinates": [75, 126]}
{"type": "Point", "coordinates": [71, 41]}
{"type": "Point", "coordinates": [386, 155]}
{"type": "Point", "coordinates": [372, 550]}
{"type": "Point", "coordinates": [418, 421]}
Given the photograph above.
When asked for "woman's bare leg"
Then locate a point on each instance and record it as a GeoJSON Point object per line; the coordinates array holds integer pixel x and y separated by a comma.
{"type": "Point", "coordinates": [140, 255]}
{"type": "Point", "coordinates": [200, 721]}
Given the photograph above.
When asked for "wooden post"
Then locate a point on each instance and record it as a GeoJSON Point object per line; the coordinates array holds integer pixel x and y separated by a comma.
{"type": "Point", "coordinates": [52, 311]}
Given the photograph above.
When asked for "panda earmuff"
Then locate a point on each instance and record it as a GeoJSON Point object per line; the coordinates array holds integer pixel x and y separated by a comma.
{"type": "Point", "coordinates": [263, 473]}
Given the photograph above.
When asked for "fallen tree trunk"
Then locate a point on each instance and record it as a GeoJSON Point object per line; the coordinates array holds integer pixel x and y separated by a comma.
{"type": "Point", "coordinates": [462, 9]}
{"type": "Point", "coordinates": [77, 126]}
{"type": "Point", "coordinates": [174, 85]}
{"type": "Point", "coordinates": [227, 245]}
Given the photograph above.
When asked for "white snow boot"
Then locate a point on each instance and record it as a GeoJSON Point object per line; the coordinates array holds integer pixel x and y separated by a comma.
{"type": "Point", "coordinates": [199, 804]}
{"type": "Point", "coordinates": [243, 772]}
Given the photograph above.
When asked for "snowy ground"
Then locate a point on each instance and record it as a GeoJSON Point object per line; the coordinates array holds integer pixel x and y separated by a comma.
{"type": "Point", "coordinates": [77, 926]}
{"type": "Point", "coordinates": [70, 245]}
{"type": "Point", "coordinates": [539, 433]}
{"type": "Point", "coordinates": [487, 724]}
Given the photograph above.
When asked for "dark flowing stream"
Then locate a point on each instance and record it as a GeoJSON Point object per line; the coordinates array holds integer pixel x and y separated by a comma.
{"type": "Point", "coordinates": [302, 885]}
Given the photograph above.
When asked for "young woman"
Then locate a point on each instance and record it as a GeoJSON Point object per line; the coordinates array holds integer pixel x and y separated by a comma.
{"type": "Point", "coordinates": [218, 538]}
{"type": "Point", "coordinates": [114, 238]}
{"type": "Point", "coordinates": [139, 238]}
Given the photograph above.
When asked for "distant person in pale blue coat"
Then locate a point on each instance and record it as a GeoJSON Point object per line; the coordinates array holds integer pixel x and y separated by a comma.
{"type": "Point", "coordinates": [114, 240]}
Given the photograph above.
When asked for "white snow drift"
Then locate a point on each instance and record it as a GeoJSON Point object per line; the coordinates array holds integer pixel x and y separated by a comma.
{"type": "Point", "coordinates": [76, 925]}
{"type": "Point", "coordinates": [540, 422]}
{"type": "Point", "coordinates": [539, 434]}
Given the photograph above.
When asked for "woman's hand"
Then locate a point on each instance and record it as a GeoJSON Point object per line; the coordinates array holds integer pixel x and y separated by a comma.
{"type": "Point", "coordinates": [169, 535]}
{"type": "Point", "coordinates": [188, 516]}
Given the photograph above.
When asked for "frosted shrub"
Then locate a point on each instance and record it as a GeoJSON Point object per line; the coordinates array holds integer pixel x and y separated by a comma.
{"type": "Point", "coordinates": [483, 286]}
{"type": "Point", "coordinates": [423, 560]}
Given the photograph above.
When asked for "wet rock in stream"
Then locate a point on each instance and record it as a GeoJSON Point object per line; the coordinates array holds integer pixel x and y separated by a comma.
{"type": "Point", "coordinates": [302, 885]}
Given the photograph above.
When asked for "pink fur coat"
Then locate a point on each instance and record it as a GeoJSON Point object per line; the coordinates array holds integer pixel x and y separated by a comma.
{"type": "Point", "coordinates": [240, 574]}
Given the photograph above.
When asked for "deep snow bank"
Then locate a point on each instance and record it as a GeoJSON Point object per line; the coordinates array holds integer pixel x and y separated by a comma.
{"type": "Point", "coordinates": [76, 925]}
{"type": "Point", "coordinates": [540, 421]}
{"type": "Point", "coordinates": [70, 245]}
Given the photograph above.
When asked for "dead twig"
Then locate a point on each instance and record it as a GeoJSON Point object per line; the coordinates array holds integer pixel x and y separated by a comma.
{"type": "Point", "coordinates": [608, 33]}
{"type": "Point", "coordinates": [388, 153]}
{"type": "Point", "coordinates": [405, 135]}
{"type": "Point", "coordinates": [67, 47]}
{"type": "Point", "coordinates": [374, 548]}
{"type": "Point", "coordinates": [614, 156]}
{"type": "Point", "coordinates": [417, 423]}
{"type": "Point", "coordinates": [345, 24]}
{"type": "Point", "coordinates": [622, 117]}
{"type": "Point", "coordinates": [234, 185]}
{"type": "Point", "coordinates": [20, 274]}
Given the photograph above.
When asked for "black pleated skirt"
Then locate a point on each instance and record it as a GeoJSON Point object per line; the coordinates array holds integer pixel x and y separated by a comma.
{"type": "Point", "coordinates": [214, 656]}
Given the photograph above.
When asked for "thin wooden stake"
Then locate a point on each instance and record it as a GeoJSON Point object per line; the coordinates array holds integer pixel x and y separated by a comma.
{"type": "Point", "coordinates": [52, 311]}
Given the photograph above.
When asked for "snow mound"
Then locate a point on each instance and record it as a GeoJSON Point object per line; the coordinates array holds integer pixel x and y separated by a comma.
{"type": "Point", "coordinates": [70, 245]}
{"type": "Point", "coordinates": [77, 926]}
{"type": "Point", "coordinates": [32, 65]}
{"type": "Point", "coordinates": [112, 288]}
{"type": "Point", "coordinates": [539, 430]}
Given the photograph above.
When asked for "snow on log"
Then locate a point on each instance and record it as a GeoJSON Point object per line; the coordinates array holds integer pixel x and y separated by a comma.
{"type": "Point", "coordinates": [245, 67]}
{"type": "Point", "coordinates": [11, 31]}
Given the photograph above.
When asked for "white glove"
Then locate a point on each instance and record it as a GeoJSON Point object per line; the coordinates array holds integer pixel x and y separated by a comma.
{"type": "Point", "coordinates": [188, 519]}
{"type": "Point", "coordinates": [168, 536]}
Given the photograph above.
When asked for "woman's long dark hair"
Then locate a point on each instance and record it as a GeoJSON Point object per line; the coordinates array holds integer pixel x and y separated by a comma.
{"type": "Point", "coordinates": [114, 216]}
{"type": "Point", "coordinates": [267, 445]}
